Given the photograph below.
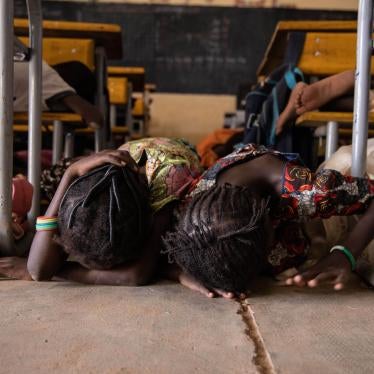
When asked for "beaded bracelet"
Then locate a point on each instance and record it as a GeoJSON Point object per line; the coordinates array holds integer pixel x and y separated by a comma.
{"type": "Point", "coordinates": [44, 223]}
{"type": "Point", "coordinates": [348, 254]}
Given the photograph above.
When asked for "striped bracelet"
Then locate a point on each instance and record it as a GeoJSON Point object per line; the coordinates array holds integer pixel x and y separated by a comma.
{"type": "Point", "coordinates": [348, 254]}
{"type": "Point", "coordinates": [44, 223]}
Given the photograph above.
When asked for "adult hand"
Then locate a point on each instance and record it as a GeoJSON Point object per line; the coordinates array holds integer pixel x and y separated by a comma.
{"type": "Point", "coordinates": [334, 269]}
{"type": "Point", "coordinates": [114, 157]}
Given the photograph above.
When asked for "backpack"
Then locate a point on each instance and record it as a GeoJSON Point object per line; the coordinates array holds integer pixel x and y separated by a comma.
{"type": "Point", "coordinates": [265, 103]}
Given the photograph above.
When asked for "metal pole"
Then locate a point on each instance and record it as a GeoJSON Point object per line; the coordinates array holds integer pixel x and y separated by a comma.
{"type": "Point", "coordinates": [362, 85]}
{"type": "Point", "coordinates": [58, 141]}
{"type": "Point", "coordinates": [332, 135]}
{"type": "Point", "coordinates": [6, 125]}
{"type": "Point", "coordinates": [69, 145]}
{"type": "Point", "coordinates": [35, 105]}
{"type": "Point", "coordinates": [102, 134]}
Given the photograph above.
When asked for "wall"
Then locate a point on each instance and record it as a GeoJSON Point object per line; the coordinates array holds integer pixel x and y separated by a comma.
{"type": "Point", "coordinates": [188, 116]}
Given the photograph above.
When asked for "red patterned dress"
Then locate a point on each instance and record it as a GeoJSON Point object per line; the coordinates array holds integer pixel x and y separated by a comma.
{"type": "Point", "coordinates": [305, 195]}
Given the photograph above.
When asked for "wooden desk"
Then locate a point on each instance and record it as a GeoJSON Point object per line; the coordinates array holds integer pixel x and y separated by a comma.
{"type": "Point", "coordinates": [316, 119]}
{"type": "Point", "coordinates": [274, 54]}
{"type": "Point", "coordinates": [108, 36]}
{"type": "Point", "coordinates": [134, 74]}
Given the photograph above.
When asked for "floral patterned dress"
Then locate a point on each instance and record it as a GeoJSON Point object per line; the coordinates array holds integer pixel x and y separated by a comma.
{"type": "Point", "coordinates": [171, 167]}
{"type": "Point", "coordinates": [304, 196]}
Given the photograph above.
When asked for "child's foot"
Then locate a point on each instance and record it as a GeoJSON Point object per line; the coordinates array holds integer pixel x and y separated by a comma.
{"type": "Point", "coordinates": [293, 105]}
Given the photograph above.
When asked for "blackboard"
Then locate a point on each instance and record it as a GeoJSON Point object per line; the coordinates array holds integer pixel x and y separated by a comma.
{"type": "Point", "coordinates": [188, 49]}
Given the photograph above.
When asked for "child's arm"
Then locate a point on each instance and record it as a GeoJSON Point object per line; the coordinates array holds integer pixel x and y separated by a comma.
{"type": "Point", "coordinates": [90, 113]}
{"type": "Point", "coordinates": [46, 256]}
{"type": "Point", "coordinates": [336, 268]}
{"type": "Point", "coordinates": [134, 274]}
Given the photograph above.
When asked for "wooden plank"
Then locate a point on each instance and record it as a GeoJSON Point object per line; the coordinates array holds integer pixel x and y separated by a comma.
{"type": "Point", "coordinates": [115, 130]}
{"type": "Point", "coordinates": [49, 117]}
{"type": "Point", "coordinates": [59, 50]}
{"type": "Point", "coordinates": [125, 70]}
{"type": "Point", "coordinates": [316, 119]}
{"type": "Point", "coordinates": [138, 110]}
{"type": "Point", "coordinates": [117, 87]}
{"type": "Point", "coordinates": [328, 53]}
{"type": "Point", "coordinates": [108, 36]}
{"type": "Point", "coordinates": [134, 74]}
{"type": "Point", "coordinates": [274, 54]}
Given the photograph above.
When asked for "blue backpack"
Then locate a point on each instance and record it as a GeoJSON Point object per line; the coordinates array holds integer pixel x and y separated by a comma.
{"type": "Point", "coordinates": [266, 102]}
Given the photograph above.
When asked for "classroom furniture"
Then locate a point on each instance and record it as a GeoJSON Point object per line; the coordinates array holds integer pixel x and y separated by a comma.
{"type": "Point", "coordinates": [60, 50]}
{"type": "Point", "coordinates": [137, 115]}
{"type": "Point", "coordinates": [108, 44]}
{"type": "Point", "coordinates": [361, 99]}
{"type": "Point", "coordinates": [329, 47]}
{"type": "Point", "coordinates": [275, 52]}
{"type": "Point", "coordinates": [61, 125]}
{"type": "Point", "coordinates": [6, 115]}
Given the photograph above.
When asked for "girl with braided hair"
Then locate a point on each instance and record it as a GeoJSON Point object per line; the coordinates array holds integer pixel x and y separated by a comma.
{"type": "Point", "coordinates": [109, 213]}
{"type": "Point", "coordinates": [244, 217]}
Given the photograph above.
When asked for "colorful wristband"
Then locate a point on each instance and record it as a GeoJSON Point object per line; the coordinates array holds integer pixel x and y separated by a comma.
{"type": "Point", "coordinates": [44, 223]}
{"type": "Point", "coordinates": [347, 254]}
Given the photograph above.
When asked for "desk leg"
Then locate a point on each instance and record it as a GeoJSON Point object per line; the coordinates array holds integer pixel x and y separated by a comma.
{"type": "Point", "coordinates": [113, 116]}
{"type": "Point", "coordinates": [69, 145]}
{"type": "Point", "coordinates": [362, 86]}
{"type": "Point", "coordinates": [103, 135]}
{"type": "Point", "coordinates": [129, 118]}
{"type": "Point", "coordinates": [6, 128]}
{"type": "Point", "coordinates": [332, 136]}
{"type": "Point", "coordinates": [35, 105]}
{"type": "Point", "coordinates": [58, 141]}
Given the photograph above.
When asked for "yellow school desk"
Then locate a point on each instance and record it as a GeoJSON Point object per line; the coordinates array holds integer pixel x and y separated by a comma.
{"type": "Point", "coordinates": [108, 36]}
{"type": "Point", "coordinates": [108, 44]}
{"type": "Point", "coordinates": [277, 46]}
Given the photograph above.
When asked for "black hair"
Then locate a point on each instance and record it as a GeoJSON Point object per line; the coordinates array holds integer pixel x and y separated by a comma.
{"type": "Point", "coordinates": [103, 217]}
{"type": "Point", "coordinates": [220, 239]}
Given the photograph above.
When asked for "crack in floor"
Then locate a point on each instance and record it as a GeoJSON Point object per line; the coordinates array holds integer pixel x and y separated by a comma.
{"type": "Point", "coordinates": [261, 358]}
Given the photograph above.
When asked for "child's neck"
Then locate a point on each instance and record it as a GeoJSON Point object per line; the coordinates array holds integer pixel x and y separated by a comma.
{"type": "Point", "coordinates": [266, 169]}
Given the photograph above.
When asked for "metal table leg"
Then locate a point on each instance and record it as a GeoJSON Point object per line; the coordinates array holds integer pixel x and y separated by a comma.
{"type": "Point", "coordinates": [35, 94]}
{"type": "Point", "coordinates": [69, 145]}
{"type": "Point", "coordinates": [58, 141]}
{"type": "Point", "coordinates": [332, 135]}
{"type": "Point", "coordinates": [6, 128]}
{"type": "Point", "coordinates": [362, 85]}
{"type": "Point", "coordinates": [102, 135]}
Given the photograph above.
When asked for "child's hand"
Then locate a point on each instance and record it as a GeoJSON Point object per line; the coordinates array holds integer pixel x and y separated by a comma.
{"type": "Point", "coordinates": [115, 157]}
{"type": "Point", "coordinates": [14, 267]}
{"type": "Point", "coordinates": [334, 269]}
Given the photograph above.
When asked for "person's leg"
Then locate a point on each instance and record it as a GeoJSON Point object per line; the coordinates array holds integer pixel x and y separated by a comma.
{"type": "Point", "coordinates": [306, 97]}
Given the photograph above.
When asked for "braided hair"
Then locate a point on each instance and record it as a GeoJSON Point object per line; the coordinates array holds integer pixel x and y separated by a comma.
{"type": "Point", "coordinates": [103, 217]}
{"type": "Point", "coordinates": [220, 239]}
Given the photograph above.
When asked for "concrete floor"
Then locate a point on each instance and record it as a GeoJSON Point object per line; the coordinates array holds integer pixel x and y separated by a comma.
{"type": "Point", "coordinates": [165, 328]}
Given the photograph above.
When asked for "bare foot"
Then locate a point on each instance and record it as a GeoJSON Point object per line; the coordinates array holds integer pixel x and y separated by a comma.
{"type": "Point", "coordinates": [290, 111]}
{"type": "Point", "coordinates": [305, 98]}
